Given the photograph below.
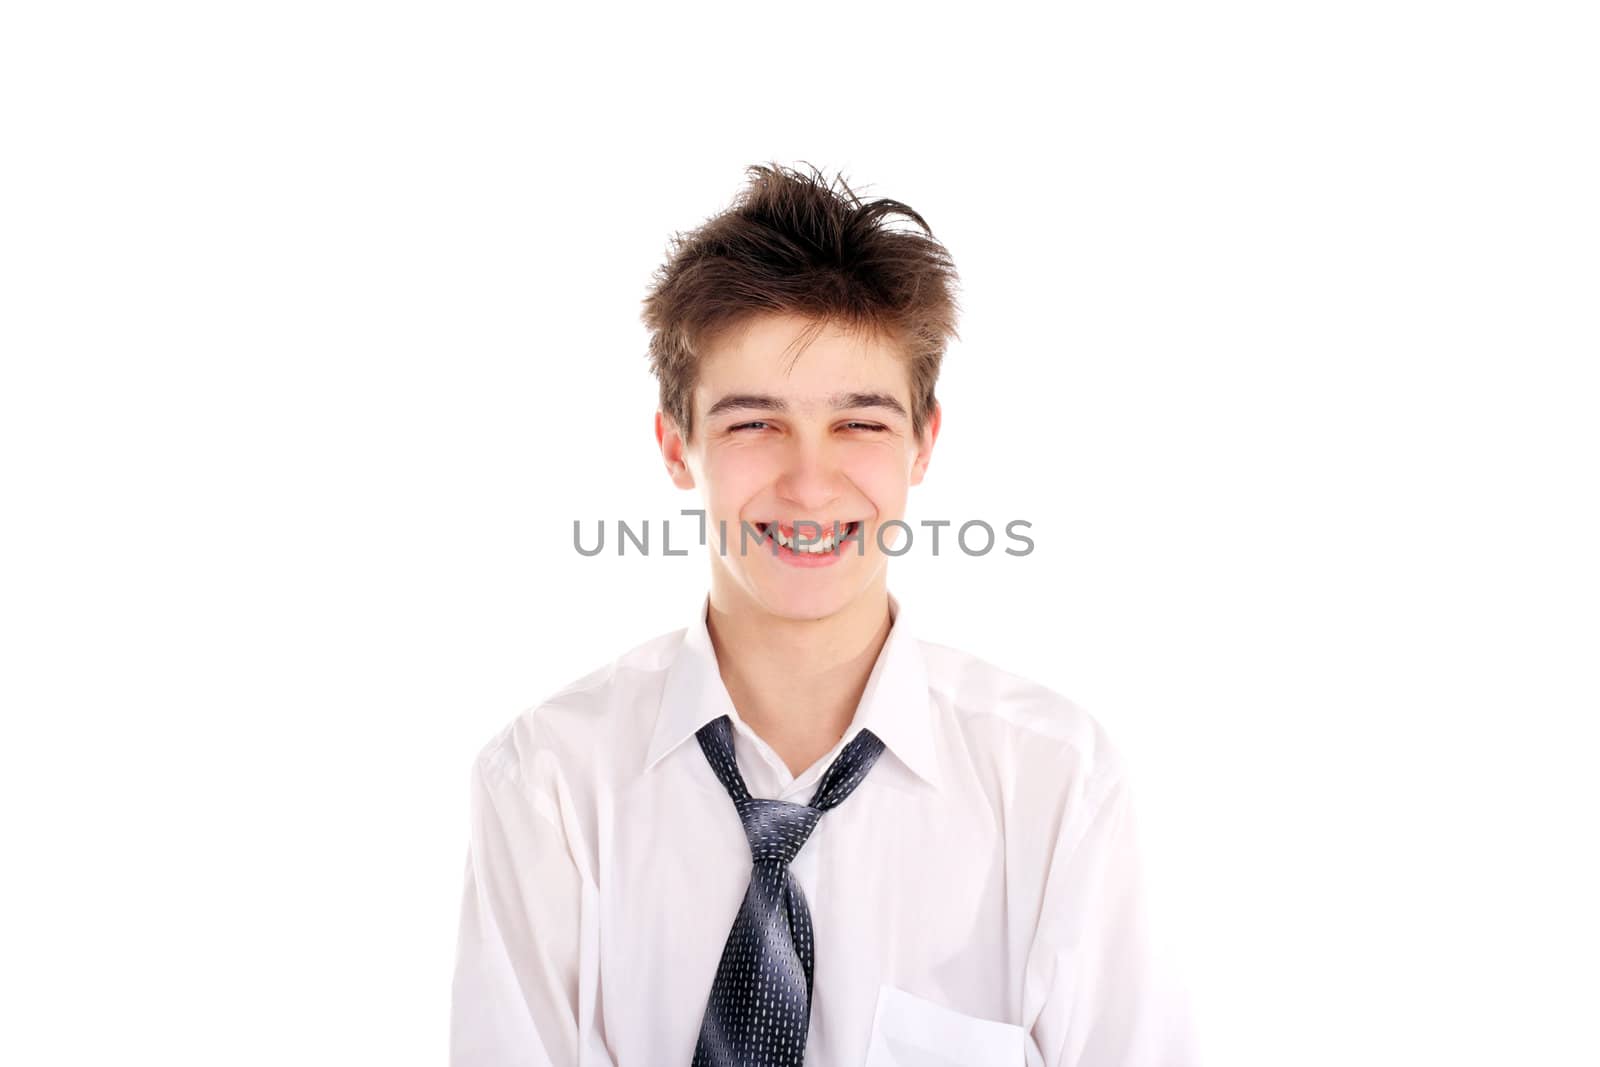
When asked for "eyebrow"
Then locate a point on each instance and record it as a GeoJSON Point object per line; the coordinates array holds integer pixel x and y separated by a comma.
{"type": "Point", "coordinates": [838, 401]}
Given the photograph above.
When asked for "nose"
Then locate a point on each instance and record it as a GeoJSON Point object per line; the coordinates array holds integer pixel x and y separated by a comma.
{"type": "Point", "coordinates": [810, 480]}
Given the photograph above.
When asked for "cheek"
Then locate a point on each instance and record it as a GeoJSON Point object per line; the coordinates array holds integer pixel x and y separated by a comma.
{"type": "Point", "coordinates": [883, 479]}
{"type": "Point", "coordinates": [731, 479]}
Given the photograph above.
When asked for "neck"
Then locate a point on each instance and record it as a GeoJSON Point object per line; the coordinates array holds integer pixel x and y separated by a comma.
{"type": "Point", "coordinates": [797, 682]}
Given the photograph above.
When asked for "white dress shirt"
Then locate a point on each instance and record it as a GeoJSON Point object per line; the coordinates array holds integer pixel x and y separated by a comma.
{"type": "Point", "coordinates": [975, 900]}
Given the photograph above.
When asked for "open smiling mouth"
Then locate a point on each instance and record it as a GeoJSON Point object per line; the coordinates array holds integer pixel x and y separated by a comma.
{"type": "Point", "coordinates": [786, 536]}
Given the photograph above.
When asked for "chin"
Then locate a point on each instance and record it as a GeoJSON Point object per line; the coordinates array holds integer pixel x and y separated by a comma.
{"type": "Point", "coordinates": [802, 601]}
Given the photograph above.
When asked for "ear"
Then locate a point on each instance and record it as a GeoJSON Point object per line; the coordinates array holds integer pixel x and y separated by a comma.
{"type": "Point", "coordinates": [672, 451]}
{"type": "Point", "coordinates": [930, 433]}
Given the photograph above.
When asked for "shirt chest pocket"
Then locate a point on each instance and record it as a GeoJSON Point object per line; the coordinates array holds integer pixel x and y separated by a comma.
{"type": "Point", "coordinates": [911, 1031]}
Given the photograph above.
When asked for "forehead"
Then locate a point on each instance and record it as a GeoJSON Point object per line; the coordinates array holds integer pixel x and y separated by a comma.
{"type": "Point", "coordinates": [765, 355]}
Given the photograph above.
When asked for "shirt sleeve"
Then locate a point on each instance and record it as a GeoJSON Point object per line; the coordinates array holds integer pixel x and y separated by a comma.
{"type": "Point", "coordinates": [515, 997]}
{"type": "Point", "coordinates": [1106, 998]}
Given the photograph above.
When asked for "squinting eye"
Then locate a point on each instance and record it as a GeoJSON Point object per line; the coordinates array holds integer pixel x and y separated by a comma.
{"type": "Point", "coordinates": [746, 425]}
{"type": "Point", "coordinates": [871, 426]}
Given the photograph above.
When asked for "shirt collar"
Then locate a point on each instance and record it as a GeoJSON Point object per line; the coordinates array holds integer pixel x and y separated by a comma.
{"type": "Point", "coordinates": [895, 704]}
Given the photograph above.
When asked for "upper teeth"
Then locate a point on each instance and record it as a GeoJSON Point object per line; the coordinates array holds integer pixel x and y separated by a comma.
{"type": "Point", "coordinates": [824, 545]}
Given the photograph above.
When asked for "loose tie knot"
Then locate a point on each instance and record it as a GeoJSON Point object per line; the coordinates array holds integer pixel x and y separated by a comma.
{"type": "Point", "coordinates": [777, 829]}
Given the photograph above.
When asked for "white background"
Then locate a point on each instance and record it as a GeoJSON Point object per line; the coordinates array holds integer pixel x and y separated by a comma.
{"type": "Point", "coordinates": [320, 326]}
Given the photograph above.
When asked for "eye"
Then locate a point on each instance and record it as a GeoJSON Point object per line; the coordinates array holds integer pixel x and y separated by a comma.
{"type": "Point", "coordinates": [871, 427]}
{"type": "Point", "coordinates": [757, 424]}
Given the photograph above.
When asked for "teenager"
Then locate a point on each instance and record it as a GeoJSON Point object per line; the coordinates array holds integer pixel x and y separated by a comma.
{"type": "Point", "coordinates": [793, 831]}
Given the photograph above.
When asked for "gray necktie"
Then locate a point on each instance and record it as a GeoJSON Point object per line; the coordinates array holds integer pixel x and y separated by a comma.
{"type": "Point", "coordinates": [760, 1004]}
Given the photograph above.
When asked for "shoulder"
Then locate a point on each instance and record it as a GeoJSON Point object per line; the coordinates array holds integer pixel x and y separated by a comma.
{"type": "Point", "coordinates": [587, 721]}
{"type": "Point", "coordinates": [1022, 728]}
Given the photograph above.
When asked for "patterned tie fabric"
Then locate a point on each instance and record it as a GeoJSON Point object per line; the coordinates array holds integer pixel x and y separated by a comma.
{"type": "Point", "coordinates": [760, 1003]}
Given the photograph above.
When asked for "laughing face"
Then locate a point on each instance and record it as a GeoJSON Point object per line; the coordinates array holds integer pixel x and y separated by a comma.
{"type": "Point", "coordinates": [796, 448]}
